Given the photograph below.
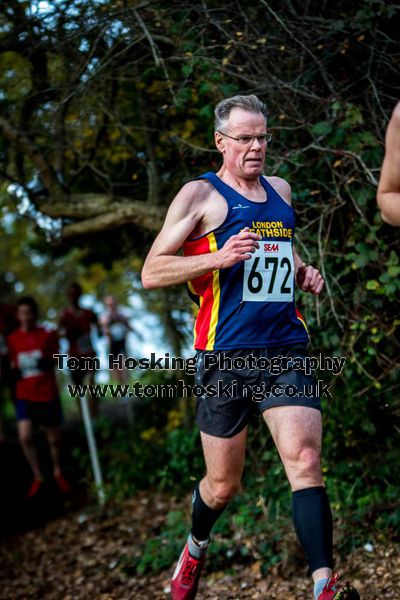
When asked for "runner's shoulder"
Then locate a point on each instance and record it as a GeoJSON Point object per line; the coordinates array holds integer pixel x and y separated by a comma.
{"type": "Point", "coordinates": [192, 197]}
{"type": "Point", "coordinates": [281, 186]}
{"type": "Point", "coordinates": [196, 190]}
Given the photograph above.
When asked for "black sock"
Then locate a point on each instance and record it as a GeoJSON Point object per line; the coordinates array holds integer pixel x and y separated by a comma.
{"type": "Point", "coordinates": [203, 517]}
{"type": "Point", "coordinates": [312, 520]}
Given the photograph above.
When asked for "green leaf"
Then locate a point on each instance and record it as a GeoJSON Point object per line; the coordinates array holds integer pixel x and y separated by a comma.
{"type": "Point", "coordinates": [322, 128]}
{"type": "Point", "coordinates": [353, 116]}
{"type": "Point", "coordinates": [187, 69]}
{"type": "Point", "coordinates": [206, 111]}
{"type": "Point", "coordinates": [393, 259]}
{"type": "Point", "coordinates": [205, 88]}
{"type": "Point", "coordinates": [394, 271]}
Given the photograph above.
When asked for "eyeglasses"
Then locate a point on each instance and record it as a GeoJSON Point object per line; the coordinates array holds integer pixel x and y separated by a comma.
{"type": "Point", "coordinates": [244, 140]}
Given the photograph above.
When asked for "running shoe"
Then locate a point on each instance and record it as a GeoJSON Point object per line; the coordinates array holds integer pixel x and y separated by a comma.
{"type": "Point", "coordinates": [185, 579]}
{"type": "Point", "coordinates": [62, 483]}
{"type": "Point", "coordinates": [332, 591]}
{"type": "Point", "coordinates": [35, 487]}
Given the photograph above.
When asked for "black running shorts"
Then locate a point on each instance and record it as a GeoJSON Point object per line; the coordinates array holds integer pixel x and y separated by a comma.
{"type": "Point", "coordinates": [255, 380]}
{"type": "Point", "coordinates": [117, 348]}
{"type": "Point", "coordinates": [47, 414]}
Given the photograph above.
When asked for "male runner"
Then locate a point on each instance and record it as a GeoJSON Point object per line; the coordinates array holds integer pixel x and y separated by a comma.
{"type": "Point", "coordinates": [37, 400]}
{"type": "Point", "coordinates": [236, 230]}
{"type": "Point", "coordinates": [115, 326]}
{"type": "Point", "coordinates": [76, 323]}
{"type": "Point", "coordinates": [388, 195]}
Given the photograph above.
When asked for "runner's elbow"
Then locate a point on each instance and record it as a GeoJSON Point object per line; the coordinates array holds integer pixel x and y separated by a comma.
{"type": "Point", "coordinates": [391, 219]}
{"type": "Point", "coordinates": [389, 205]}
{"type": "Point", "coordinates": [148, 281]}
{"type": "Point", "coordinates": [396, 115]}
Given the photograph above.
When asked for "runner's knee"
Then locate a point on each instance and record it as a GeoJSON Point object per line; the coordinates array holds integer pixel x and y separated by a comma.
{"type": "Point", "coordinates": [25, 437]}
{"type": "Point", "coordinates": [304, 462]}
{"type": "Point", "coordinates": [223, 491]}
{"type": "Point", "coordinates": [53, 436]}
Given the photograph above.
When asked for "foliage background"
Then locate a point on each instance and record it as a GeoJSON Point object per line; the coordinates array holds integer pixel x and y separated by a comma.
{"type": "Point", "coordinates": [106, 110]}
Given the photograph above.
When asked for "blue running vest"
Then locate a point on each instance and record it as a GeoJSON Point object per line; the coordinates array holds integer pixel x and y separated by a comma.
{"type": "Point", "coordinates": [249, 305]}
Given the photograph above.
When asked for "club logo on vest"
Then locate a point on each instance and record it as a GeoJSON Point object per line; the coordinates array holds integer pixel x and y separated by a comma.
{"type": "Point", "coordinates": [240, 206]}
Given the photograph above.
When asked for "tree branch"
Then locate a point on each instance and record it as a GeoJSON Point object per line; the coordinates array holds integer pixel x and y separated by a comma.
{"type": "Point", "coordinates": [137, 213]}
{"type": "Point", "coordinates": [356, 157]}
{"type": "Point", "coordinates": [47, 174]}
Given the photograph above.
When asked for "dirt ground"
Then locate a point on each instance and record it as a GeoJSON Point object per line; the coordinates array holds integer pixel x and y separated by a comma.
{"type": "Point", "coordinates": [78, 556]}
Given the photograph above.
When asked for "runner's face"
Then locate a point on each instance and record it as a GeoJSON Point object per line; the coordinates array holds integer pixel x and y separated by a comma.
{"type": "Point", "coordinates": [73, 294]}
{"type": "Point", "coordinates": [246, 161]}
{"type": "Point", "coordinates": [26, 316]}
{"type": "Point", "coordinates": [110, 302]}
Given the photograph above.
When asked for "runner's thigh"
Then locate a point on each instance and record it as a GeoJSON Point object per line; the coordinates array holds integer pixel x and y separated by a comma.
{"type": "Point", "coordinates": [224, 456]}
{"type": "Point", "coordinates": [294, 428]}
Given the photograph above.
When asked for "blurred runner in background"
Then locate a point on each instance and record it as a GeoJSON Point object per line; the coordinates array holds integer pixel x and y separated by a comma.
{"type": "Point", "coordinates": [116, 327]}
{"type": "Point", "coordinates": [37, 401]}
{"type": "Point", "coordinates": [75, 323]}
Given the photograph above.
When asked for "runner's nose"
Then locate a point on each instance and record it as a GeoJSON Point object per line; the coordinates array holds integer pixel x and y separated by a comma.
{"type": "Point", "coordinates": [255, 145]}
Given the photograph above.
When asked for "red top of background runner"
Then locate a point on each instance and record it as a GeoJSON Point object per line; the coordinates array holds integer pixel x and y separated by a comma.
{"type": "Point", "coordinates": [77, 331]}
{"type": "Point", "coordinates": [26, 347]}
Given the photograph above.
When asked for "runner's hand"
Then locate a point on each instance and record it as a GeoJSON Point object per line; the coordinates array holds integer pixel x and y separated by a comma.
{"type": "Point", "coordinates": [239, 247]}
{"type": "Point", "coordinates": [309, 279]}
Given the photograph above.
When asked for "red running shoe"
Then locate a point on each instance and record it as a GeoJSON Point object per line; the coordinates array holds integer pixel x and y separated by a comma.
{"type": "Point", "coordinates": [62, 483]}
{"type": "Point", "coordinates": [332, 591]}
{"type": "Point", "coordinates": [35, 487]}
{"type": "Point", "coordinates": [185, 579]}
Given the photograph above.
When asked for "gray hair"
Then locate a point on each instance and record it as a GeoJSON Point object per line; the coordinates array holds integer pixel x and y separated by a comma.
{"type": "Point", "coordinates": [250, 103]}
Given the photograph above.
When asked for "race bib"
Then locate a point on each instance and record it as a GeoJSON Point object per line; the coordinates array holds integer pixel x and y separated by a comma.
{"type": "Point", "coordinates": [84, 343]}
{"type": "Point", "coordinates": [27, 363]}
{"type": "Point", "coordinates": [268, 274]}
{"type": "Point", "coordinates": [118, 331]}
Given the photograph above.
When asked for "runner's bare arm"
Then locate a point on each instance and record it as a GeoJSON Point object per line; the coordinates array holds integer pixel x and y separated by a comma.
{"type": "Point", "coordinates": [388, 195]}
{"type": "Point", "coordinates": [307, 277]}
{"type": "Point", "coordinates": [162, 267]}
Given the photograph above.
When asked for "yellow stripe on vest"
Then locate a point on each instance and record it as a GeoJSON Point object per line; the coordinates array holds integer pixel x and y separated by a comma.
{"type": "Point", "coordinates": [216, 298]}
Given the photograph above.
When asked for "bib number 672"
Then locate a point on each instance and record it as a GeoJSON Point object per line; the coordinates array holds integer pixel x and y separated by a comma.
{"type": "Point", "coordinates": [268, 274]}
